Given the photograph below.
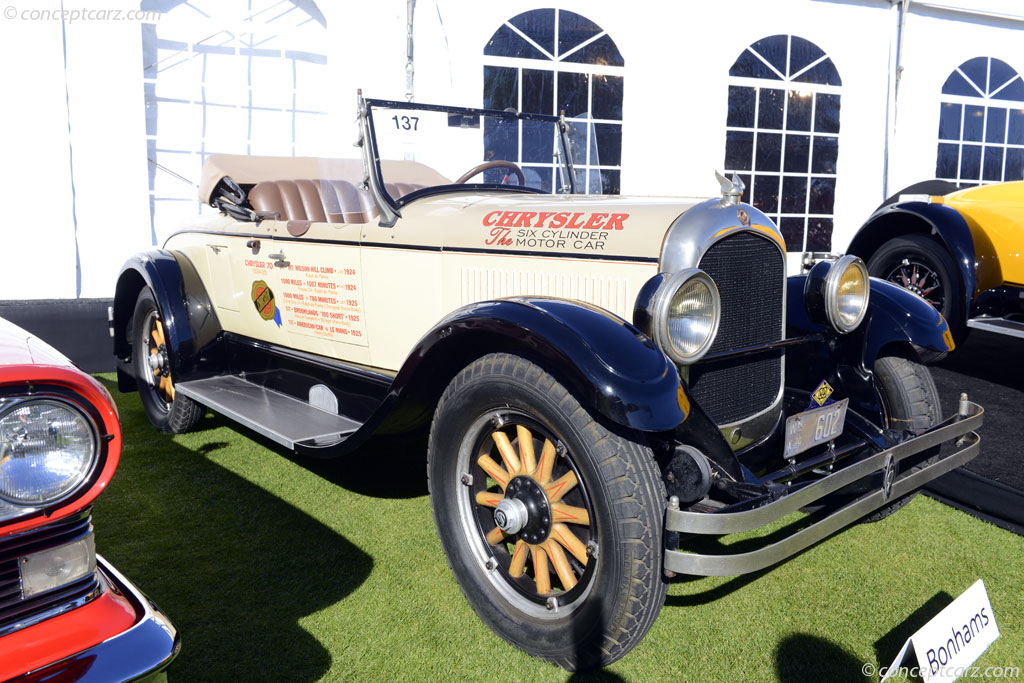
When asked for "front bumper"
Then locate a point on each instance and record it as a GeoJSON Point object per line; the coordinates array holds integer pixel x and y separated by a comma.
{"type": "Point", "coordinates": [960, 428]}
{"type": "Point", "coordinates": [142, 653]}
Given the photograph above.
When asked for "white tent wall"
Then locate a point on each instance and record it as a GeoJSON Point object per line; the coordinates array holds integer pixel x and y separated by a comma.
{"type": "Point", "coordinates": [677, 60]}
{"type": "Point", "coordinates": [38, 243]}
{"type": "Point", "coordinates": [935, 43]}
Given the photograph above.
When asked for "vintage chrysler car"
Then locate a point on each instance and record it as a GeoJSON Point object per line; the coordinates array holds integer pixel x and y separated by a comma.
{"type": "Point", "coordinates": [65, 613]}
{"type": "Point", "coordinates": [610, 383]}
{"type": "Point", "coordinates": [960, 249]}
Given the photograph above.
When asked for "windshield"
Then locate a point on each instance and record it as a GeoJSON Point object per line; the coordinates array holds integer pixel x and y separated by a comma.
{"type": "Point", "coordinates": [422, 147]}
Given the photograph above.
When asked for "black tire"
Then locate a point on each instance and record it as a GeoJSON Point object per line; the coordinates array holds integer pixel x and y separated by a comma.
{"type": "Point", "coordinates": [166, 410]}
{"type": "Point", "coordinates": [619, 590]}
{"type": "Point", "coordinates": [923, 266]}
{"type": "Point", "coordinates": [910, 401]}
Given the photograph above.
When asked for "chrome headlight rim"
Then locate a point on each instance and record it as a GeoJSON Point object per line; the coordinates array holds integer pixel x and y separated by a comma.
{"type": "Point", "coordinates": [79, 481]}
{"type": "Point", "coordinates": [660, 310]}
{"type": "Point", "coordinates": [831, 289]}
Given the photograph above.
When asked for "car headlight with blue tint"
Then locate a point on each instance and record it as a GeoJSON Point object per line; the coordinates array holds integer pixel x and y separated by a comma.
{"type": "Point", "coordinates": [48, 449]}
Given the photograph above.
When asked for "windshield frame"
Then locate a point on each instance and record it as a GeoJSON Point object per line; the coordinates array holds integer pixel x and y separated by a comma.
{"type": "Point", "coordinates": [390, 209]}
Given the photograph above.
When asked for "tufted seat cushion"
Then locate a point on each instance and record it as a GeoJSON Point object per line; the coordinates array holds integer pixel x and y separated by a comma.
{"type": "Point", "coordinates": [303, 202]}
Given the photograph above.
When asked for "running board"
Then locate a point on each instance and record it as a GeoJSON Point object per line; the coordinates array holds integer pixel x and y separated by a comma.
{"type": "Point", "coordinates": [998, 325]}
{"type": "Point", "coordinates": [281, 418]}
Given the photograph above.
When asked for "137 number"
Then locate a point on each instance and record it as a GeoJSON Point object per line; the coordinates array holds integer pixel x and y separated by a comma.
{"type": "Point", "coordinates": [406, 122]}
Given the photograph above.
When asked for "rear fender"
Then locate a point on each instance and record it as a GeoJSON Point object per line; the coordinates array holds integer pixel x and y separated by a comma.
{"type": "Point", "coordinates": [189, 320]}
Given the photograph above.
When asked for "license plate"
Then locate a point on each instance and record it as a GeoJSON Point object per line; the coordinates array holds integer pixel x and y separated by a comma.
{"type": "Point", "coordinates": [808, 429]}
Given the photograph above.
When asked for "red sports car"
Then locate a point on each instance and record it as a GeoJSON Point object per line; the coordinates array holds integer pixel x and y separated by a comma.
{"type": "Point", "coordinates": [65, 613]}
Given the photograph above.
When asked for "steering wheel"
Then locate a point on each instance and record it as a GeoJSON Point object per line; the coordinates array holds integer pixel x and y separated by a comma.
{"type": "Point", "coordinates": [488, 165]}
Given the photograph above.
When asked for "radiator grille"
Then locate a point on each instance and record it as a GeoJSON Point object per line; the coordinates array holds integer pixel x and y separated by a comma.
{"type": "Point", "coordinates": [749, 271]}
{"type": "Point", "coordinates": [13, 609]}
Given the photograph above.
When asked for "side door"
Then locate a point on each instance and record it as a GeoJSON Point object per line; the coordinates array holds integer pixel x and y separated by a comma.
{"type": "Point", "coordinates": [243, 282]}
{"type": "Point", "coordinates": [320, 290]}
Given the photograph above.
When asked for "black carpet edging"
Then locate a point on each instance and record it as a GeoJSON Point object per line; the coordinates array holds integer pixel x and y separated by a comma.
{"type": "Point", "coordinates": [989, 500]}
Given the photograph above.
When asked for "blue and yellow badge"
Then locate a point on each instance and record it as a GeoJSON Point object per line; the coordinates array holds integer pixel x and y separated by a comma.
{"type": "Point", "coordinates": [821, 395]}
{"type": "Point", "coordinates": [263, 299]}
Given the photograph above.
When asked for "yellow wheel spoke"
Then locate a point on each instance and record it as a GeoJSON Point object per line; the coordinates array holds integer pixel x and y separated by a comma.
{"type": "Point", "coordinates": [567, 538]}
{"type": "Point", "coordinates": [508, 454]}
{"type": "Point", "coordinates": [519, 555]}
{"type": "Point", "coordinates": [489, 499]}
{"type": "Point", "coordinates": [540, 569]}
{"type": "Point", "coordinates": [157, 333]}
{"type": "Point", "coordinates": [496, 472]}
{"type": "Point", "coordinates": [547, 462]}
{"type": "Point", "coordinates": [526, 448]}
{"type": "Point", "coordinates": [561, 563]}
{"type": "Point", "coordinates": [156, 373]}
{"type": "Point", "coordinates": [568, 513]}
{"type": "Point", "coordinates": [495, 536]}
{"type": "Point", "coordinates": [556, 490]}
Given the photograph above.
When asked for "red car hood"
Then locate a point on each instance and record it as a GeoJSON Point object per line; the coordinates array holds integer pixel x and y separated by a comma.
{"type": "Point", "coordinates": [18, 347]}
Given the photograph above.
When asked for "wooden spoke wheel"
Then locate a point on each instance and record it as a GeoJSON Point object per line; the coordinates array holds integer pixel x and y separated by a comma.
{"type": "Point", "coordinates": [551, 523]}
{"type": "Point", "coordinates": [528, 502]}
{"type": "Point", "coordinates": [151, 359]}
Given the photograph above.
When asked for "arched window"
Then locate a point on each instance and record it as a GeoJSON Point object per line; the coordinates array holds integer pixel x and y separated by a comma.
{"type": "Point", "coordinates": [236, 77]}
{"type": "Point", "coordinates": [782, 136]}
{"type": "Point", "coordinates": [546, 61]}
{"type": "Point", "coordinates": [981, 124]}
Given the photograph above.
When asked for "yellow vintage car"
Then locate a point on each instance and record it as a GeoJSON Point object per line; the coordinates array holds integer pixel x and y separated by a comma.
{"type": "Point", "coordinates": [603, 378]}
{"type": "Point", "coordinates": [960, 249]}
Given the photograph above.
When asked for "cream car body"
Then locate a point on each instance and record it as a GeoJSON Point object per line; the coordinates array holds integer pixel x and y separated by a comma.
{"type": "Point", "coordinates": [602, 377]}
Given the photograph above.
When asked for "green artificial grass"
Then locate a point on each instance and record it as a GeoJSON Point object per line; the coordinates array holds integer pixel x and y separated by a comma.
{"type": "Point", "coordinates": [280, 569]}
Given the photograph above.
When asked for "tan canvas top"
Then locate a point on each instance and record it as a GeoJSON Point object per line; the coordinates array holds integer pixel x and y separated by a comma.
{"type": "Point", "coordinates": [249, 170]}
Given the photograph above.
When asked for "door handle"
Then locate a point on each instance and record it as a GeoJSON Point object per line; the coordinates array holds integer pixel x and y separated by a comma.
{"type": "Point", "coordinates": [279, 259]}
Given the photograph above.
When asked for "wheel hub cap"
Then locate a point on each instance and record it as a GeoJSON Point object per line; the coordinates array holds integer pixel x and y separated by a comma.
{"type": "Point", "coordinates": [524, 493]}
{"type": "Point", "coordinates": [511, 515]}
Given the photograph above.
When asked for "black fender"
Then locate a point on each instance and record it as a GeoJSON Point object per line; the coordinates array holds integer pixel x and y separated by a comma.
{"type": "Point", "coordinates": [939, 220]}
{"type": "Point", "coordinates": [895, 316]}
{"type": "Point", "coordinates": [189, 320]}
{"type": "Point", "coordinates": [611, 367]}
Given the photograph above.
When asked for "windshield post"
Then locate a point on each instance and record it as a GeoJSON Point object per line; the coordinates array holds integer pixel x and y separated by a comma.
{"type": "Point", "coordinates": [566, 172]}
{"type": "Point", "coordinates": [388, 213]}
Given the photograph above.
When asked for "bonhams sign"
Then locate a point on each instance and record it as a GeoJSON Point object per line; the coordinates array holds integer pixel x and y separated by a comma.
{"type": "Point", "coordinates": [948, 644]}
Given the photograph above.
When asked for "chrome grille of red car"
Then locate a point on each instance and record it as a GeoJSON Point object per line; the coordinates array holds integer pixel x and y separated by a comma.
{"type": "Point", "coordinates": [749, 271]}
{"type": "Point", "coordinates": [13, 609]}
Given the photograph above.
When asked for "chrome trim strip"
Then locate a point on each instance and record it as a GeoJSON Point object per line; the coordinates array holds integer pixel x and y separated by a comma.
{"type": "Point", "coordinates": [734, 522]}
{"type": "Point", "coordinates": [139, 654]}
{"type": "Point", "coordinates": [744, 563]}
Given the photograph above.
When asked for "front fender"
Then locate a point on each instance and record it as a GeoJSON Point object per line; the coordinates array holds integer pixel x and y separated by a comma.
{"type": "Point", "coordinates": [897, 315]}
{"type": "Point", "coordinates": [607, 364]}
{"type": "Point", "coordinates": [188, 317]}
{"type": "Point", "coordinates": [943, 221]}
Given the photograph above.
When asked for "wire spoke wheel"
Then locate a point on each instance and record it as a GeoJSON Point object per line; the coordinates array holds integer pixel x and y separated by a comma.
{"type": "Point", "coordinates": [921, 279]}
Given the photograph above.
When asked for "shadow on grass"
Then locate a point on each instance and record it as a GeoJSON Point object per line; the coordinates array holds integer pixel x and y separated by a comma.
{"type": "Point", "coordinates": [391, 466]}
{"type": "Point", "coordinates": [712, 594]}
{"type": "Point", "coordinates": [234, 567]}
{"type": "Point", "coordinates": [888, 646]}
{"type": "Point", "coordinates": [802, 657]}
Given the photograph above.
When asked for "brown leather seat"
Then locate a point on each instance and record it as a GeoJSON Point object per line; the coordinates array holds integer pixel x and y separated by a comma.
{"type": "Point", "coordinates": [303, 202]}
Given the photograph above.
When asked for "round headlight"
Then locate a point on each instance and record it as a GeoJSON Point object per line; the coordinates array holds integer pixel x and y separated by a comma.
{"type": "Point", "coordinates": [47, 449]}
{"type": "Point", "coordinates": [846, 293]}
{"type": "Point", "coordinates": [687, 311]}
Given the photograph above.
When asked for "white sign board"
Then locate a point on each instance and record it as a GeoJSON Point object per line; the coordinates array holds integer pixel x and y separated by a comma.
{"type": "Point", "coordinates": [954, 638]}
